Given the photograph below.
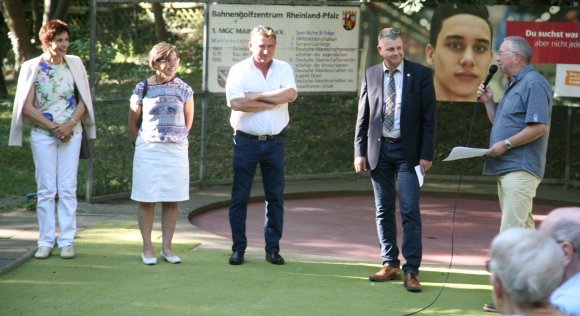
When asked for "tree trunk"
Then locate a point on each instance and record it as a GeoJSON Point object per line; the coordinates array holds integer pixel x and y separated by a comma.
{"type": "Point", "coordinates": [36, 19]}
{"type": "Point", "coordinates": [55, 9]}
{"type": "Point", "coordinates": [60, 9]}
{"type": "Point", "coordinates": [3, 89]}
{"type": "Point", "coordinates": [48, 8]}
{"type": "Point", "coordinates": [160, 28]}
{"type": "Point", "coordinates": [14, 16]}
{"type": "Point", "coordinates": [4, 48]}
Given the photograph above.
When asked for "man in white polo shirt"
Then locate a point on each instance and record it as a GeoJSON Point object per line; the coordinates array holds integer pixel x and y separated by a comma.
{"type": "Point", "coordinates": [258, 90]}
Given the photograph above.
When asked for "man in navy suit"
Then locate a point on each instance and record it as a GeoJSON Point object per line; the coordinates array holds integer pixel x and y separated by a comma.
{"type": "Point", "coordinates": [395, 131]}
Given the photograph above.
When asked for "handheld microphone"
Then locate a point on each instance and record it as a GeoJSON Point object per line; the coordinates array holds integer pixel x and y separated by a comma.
{"type": "Point", "coordinates": [491, 72]}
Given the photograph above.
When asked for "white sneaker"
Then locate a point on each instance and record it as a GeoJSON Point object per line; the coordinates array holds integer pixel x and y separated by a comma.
{"type": "Point", "coordinates": [67, 252]}
{"type": "Point", "coordinates": [170, 259]}
{"type": "Point", "coordinates": [43, 252]}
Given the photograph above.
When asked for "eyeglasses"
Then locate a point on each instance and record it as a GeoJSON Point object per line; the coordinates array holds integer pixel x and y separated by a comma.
{"type": "Point", "coordinates": [395, 31]}
{"type": "Point", "coordinates": [168, 61]}
{"type": "Point", "coordinates": [263, 29]}
{"type": "Point", "coordinates": [500, 53]}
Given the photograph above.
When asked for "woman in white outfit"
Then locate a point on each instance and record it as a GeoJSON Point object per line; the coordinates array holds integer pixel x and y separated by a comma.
{"type": "Point", "coordinates": [53, 95]}
{"type": "Point", "coordinates": [161, 163]}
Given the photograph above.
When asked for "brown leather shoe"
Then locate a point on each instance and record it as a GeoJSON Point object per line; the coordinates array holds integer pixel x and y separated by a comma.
{"type": "Point", "coordinates": [412, 283]}
{"type": "Point", "coordinates": [385, 274]}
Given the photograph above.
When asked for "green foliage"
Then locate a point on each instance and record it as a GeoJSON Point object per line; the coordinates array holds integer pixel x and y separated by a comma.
{"type": "Point", "coordinates": [319, 140]}
{"type": "Point", "coordinates": [17, 168]}
{"type": "Point", "coordinates": [113, 152]}
{"type": "Point", "coordinates": [460, 124]}
{"type": "Point", "coordinates": [319, 136]}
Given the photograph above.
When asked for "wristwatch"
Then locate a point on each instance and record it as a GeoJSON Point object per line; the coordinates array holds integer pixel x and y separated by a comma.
{"type": "Point", "coordinates": [508, 144]}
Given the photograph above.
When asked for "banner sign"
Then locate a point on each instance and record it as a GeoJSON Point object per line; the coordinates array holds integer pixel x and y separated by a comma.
{"type": "Point", "coordinates": [567, 81]}
{"type": "Point", "coordinates": [552, 42]}
{"type": "Point", "coordinates": [321, 43]}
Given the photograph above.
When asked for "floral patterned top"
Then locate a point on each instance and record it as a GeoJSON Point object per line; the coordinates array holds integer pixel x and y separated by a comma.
{"type": "Point", "coordinates": [163, 110]}
{"type": "Point", "coordinates": [55, 97]}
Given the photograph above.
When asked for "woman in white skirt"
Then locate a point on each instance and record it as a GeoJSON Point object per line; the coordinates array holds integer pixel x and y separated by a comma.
{"type": "Point", "coordinates": [161, 166]}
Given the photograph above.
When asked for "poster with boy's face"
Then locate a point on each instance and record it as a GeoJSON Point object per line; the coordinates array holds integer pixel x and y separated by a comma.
{"type": "Point", "coordinates": [460, 52]}
{"type": "Point", "coordinates": [460, 42]}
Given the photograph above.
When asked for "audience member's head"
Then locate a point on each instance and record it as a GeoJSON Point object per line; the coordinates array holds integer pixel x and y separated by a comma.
{"type": "Point", "coordinates": [563, 224]}
{"type": "Point", "coordinates": [459, 50]}
{"type": "Point", "coordinates": [526, 266]}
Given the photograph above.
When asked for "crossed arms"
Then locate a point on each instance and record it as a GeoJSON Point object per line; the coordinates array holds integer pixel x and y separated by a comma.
{"type": "Point", "coordinates": [260, 101]}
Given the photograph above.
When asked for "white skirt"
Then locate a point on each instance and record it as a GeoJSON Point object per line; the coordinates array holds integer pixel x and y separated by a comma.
{"type": "Point", "coordinates": [160, 172]}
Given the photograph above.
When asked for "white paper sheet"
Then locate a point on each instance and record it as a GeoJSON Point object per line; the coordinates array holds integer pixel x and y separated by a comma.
{"type": "Point", "coordinates": [465, 152]}
{"type": "Point", "coordinates": [419, 175]}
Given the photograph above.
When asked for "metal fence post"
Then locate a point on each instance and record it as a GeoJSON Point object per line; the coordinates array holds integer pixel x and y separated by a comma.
{"type": "Point", "coordinates": [92, 80]}
{"type": "Point", "coordinates": [204, 100]}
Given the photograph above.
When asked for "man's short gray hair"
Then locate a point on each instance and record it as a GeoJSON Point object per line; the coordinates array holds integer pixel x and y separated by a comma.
{"type": "Point", "coordinates": [390, 33]}
{"type": "Point", "coordinates": [564, 230]}
{"type": "Point", "coordinates": [529, 264]}
{"type": "Point", "coordinates": [520, 46]}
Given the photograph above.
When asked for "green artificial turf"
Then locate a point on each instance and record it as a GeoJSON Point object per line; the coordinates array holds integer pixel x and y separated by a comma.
{"type": "Point", "coordinates": [108, 278]}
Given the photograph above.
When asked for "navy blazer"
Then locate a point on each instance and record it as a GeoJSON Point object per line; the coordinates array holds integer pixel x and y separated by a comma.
{"type": "Point", "coordinates": [418, 115]}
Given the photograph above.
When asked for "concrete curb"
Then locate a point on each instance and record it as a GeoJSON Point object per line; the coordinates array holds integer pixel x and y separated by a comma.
{"type": "Point", "coordinates": [16, 263]}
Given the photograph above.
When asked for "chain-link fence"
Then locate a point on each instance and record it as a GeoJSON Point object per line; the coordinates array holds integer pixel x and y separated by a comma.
{"type": "Point", "coordinates": [320, 133]}
{"type": "Point", "coordinates": [125, 34]}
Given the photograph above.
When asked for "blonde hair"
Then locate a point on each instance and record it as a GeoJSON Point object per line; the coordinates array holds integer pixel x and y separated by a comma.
{"type": "Point", "coordinates": [264, 31]}
{"type": "Point", "coordinates": [160, 51]}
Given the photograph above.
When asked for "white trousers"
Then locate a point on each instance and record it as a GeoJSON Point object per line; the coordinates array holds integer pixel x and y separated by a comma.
{"type": "Point", "coordinates": [56, 171]}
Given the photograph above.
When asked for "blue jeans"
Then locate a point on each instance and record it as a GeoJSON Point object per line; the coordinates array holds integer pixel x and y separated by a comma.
{"type": "Point", "coordinates": [248, 153]}
{"type": "Point", "coordinates": [392, 167]}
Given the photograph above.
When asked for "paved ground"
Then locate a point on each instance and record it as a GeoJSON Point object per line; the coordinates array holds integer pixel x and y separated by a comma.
{"type": "Point", "coordinates": [343, 227]}
{"type": "Point", "coordinates": [326, 219]}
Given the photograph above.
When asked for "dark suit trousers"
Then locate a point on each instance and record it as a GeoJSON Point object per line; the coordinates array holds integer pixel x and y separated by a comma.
{"type": "Point", "coordinates": [269, 154]}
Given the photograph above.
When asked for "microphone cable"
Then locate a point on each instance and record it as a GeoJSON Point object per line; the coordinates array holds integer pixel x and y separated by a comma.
{"type": "Point", "coordinates": [453, 214]}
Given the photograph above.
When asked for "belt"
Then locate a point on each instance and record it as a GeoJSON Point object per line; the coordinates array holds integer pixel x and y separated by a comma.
{"type": "Point", "coordinates": [260, 137]}
{"type": "Point", "coordinates": [391, 139]}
